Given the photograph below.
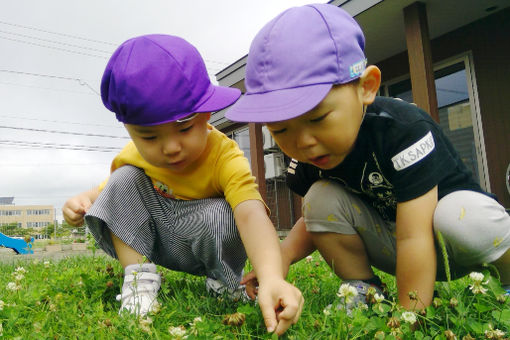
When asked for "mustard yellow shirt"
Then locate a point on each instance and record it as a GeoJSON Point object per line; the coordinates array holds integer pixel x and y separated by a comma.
{"type": "Point", "coordinates": [221, 171]}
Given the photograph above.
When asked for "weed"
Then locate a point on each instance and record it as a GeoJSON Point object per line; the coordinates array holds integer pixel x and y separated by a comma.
{"type": "Point", "coordinates": [74, 298]}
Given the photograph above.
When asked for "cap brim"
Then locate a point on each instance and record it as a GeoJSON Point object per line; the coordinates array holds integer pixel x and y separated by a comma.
{"type": "Point", "coordinates": [277, 105]}
{"type": "Point", "coordinates": [220, 98]}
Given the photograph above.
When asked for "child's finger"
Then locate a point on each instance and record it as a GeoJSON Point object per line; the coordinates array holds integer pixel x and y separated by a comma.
{"type": "Point", "coordinates": [300, 309]}
{"type": "Point", "coordinates": [289, 315]}
{"type": "Point", "coordinates": [268, 313]}
{"type": "Point", "coordinates": [282, 326]}
{"type": "Point", "coordinates": [251, 290]}
{"type": "Point", "coordinates": [73, 207]}
{"type": "Point", "coordinates": [85, 207]}
{"type": "Point", "coordinates": [75, 221]}
{"type": "Point", "coordinates": [248, 277]}
{"type": "Point", "coordinates": [73, 215]}
{"type": "Point", "coordinates": [79, 222]}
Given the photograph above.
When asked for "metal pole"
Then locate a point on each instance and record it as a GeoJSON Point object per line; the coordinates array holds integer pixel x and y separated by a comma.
{"type": "Point", "coordinates": [276, 203]}
{"type": "Point", "coordinates": [55, 225]}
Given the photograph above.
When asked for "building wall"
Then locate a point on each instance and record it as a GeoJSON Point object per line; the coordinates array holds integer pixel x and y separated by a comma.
{"type": "Point", "coordinates": [30, 216]}
{"type": "Point", "coordinates": [489, 42]}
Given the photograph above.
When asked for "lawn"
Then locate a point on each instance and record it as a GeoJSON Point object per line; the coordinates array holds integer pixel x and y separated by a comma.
{"type": "Point", "coordinates": [74, 298]}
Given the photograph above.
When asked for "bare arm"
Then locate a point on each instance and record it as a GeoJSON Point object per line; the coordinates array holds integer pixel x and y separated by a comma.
{"type": "Point", "coordinates": [280, 302]}
{"type": "Point", "coordinates": [76, 207]}
{"type": "Point", "coordinates": [296, 246]}
{"type": "Point", "coordinates": [416, 254]}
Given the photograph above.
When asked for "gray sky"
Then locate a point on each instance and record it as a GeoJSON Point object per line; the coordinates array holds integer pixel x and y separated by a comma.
{"type": "Point", "coordinates": [53, 54]}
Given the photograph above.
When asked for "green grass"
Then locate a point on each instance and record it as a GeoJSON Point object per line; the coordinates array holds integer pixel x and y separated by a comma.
{"type": "Point", "coordinates": [74, 298]}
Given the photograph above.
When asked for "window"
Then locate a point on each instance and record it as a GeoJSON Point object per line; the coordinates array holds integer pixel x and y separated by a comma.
{"type": "Point", "coordinates": [10, 212]}
{"type": "Point", "coordinates": [37, 224]}
{"type": "Point", "coordinates": [38, 212]}
{"type": "Point", "coordinates": [242, 138]}
{"type": "Point", "coordinates": [457, 112]}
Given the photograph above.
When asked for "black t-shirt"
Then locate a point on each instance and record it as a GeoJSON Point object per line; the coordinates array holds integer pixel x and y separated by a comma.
{"type": "Point", "coordinates": [400, 154]}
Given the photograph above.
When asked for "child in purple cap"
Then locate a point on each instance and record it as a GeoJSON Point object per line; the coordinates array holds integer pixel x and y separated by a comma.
{"type": "Point", "coordinates": [379, 178]}
{"type": "Point", "coordinates": [181, 193]}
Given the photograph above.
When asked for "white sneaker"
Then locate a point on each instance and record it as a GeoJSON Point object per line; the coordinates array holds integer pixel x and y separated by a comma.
{"type": "Point", "coordinates": [140, 289]}
{"type": "Point", "coordinates": [218, 288]}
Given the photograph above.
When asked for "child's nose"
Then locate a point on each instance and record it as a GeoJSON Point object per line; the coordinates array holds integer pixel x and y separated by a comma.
{"type": "Point", "coordinates": [171, 147]}
{"type": "Point", "coordinates": [305, 139]}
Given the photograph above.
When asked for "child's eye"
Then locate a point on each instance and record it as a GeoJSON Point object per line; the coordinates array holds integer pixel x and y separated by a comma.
{"type": "Point", "coordinates": [318, 119]}
{"type": "Point", "coordinates": [186, 129]}
{"type": "Point", "coordinates": [149, 137]}
{"type": "Point", "coordinates": [277, 132]}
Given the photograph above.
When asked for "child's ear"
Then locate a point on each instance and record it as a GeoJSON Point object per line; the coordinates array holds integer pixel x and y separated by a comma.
{"type": "Point", "coordinates": [369, 84]}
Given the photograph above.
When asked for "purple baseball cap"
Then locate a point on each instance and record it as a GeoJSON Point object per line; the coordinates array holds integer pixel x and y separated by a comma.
{"type": "Point", "coordinates": [295, 60]}
{"type": "Point", "coordinates": [156, 79]}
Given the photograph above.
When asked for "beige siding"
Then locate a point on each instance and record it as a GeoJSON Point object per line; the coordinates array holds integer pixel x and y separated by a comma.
{"type": "Point", "coordinates": [27, 216]}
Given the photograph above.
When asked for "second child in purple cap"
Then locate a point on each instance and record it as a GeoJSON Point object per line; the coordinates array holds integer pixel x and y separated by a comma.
{"type": "Point", "coordinates": [181, 193]}
{"type": "Point", "coordinates": [379, 178]}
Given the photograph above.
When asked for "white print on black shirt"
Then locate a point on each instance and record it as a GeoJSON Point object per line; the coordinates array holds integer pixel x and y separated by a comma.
{"type": "Point", "coordinates": [375, 178]}
{"type": "Point", "coordinates": [375, 185]}
{"type": "Point", "coordinates": [414, 153]}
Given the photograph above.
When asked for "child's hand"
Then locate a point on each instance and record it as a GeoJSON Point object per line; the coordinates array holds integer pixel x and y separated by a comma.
{"type": "Point", "coordinates": [76, 207]}
{"type": "Point", "coordinates": [281, 304]}
{"type": "Point", "coordinates": [251, 283]}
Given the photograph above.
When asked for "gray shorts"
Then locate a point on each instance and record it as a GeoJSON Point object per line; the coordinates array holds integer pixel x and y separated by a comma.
{"type": "Point", "coordinates": [199, 237]}
{"type": "Point", "coordinates": [475, 227]}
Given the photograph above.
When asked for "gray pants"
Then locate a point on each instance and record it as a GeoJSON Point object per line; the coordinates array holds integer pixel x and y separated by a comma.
{"type": "Point", "coordinates": [199, 237]}
{"type": "Point", "coordinates": [475, 227]}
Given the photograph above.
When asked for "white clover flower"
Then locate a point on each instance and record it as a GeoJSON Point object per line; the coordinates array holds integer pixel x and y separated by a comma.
{"type": "Point", "coordinates": [177, 332]}
{"type": "Point", "coordinates": [362, 306]}
{"type": "Point", "coordinates": [46, 264]}
{"type": "Point", "coordinates": [378, 297]}
{"type": "Point", "coordinates": [193, 325]}
{"type": "Point", "coordinates": [156, 307]}
{"type": "Point", "coordinates": [20, 270]}
{"type": "Point", "coordinates": [396, 332]}
{"type": "Point", "coordinates": [309, 259]}
{"type": "Point", "coordinates": [12, 286]}
{"type": "Point", "coordinates": [477, 288]}
{"type": "Point", "coordinates": [409, 317]}
{"type": "Point", "coordinates": [477, 285]}
{"type": "Point", "coordinates": [347, 292]}
{"type": "Point", "coordinates": [499, 333]}
{"type": "Point", "coordinates": [475, 276]}
{"type": "Point", "coordinates": [19, 277]}
{"type": "Point", "coordinates": [327, 310]}
{"type": "Point", "coordinates": [2, 304]}
{"type": "Point", "coordinates": [37, 327]}
{"type": "Point", "coordinates": [494, 333]}
{"type": "Point", "coordinates": [145, 324]}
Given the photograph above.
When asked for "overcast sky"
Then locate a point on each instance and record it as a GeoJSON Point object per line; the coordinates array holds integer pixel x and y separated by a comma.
{"type": "Point", "coordinates": [52, 56]}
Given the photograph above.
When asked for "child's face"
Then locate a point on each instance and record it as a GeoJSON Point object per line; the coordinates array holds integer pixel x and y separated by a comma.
{"type": "Point", "coordinates": [325, 135]}
{"type": "Point", "coordinates": [174, 146]}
